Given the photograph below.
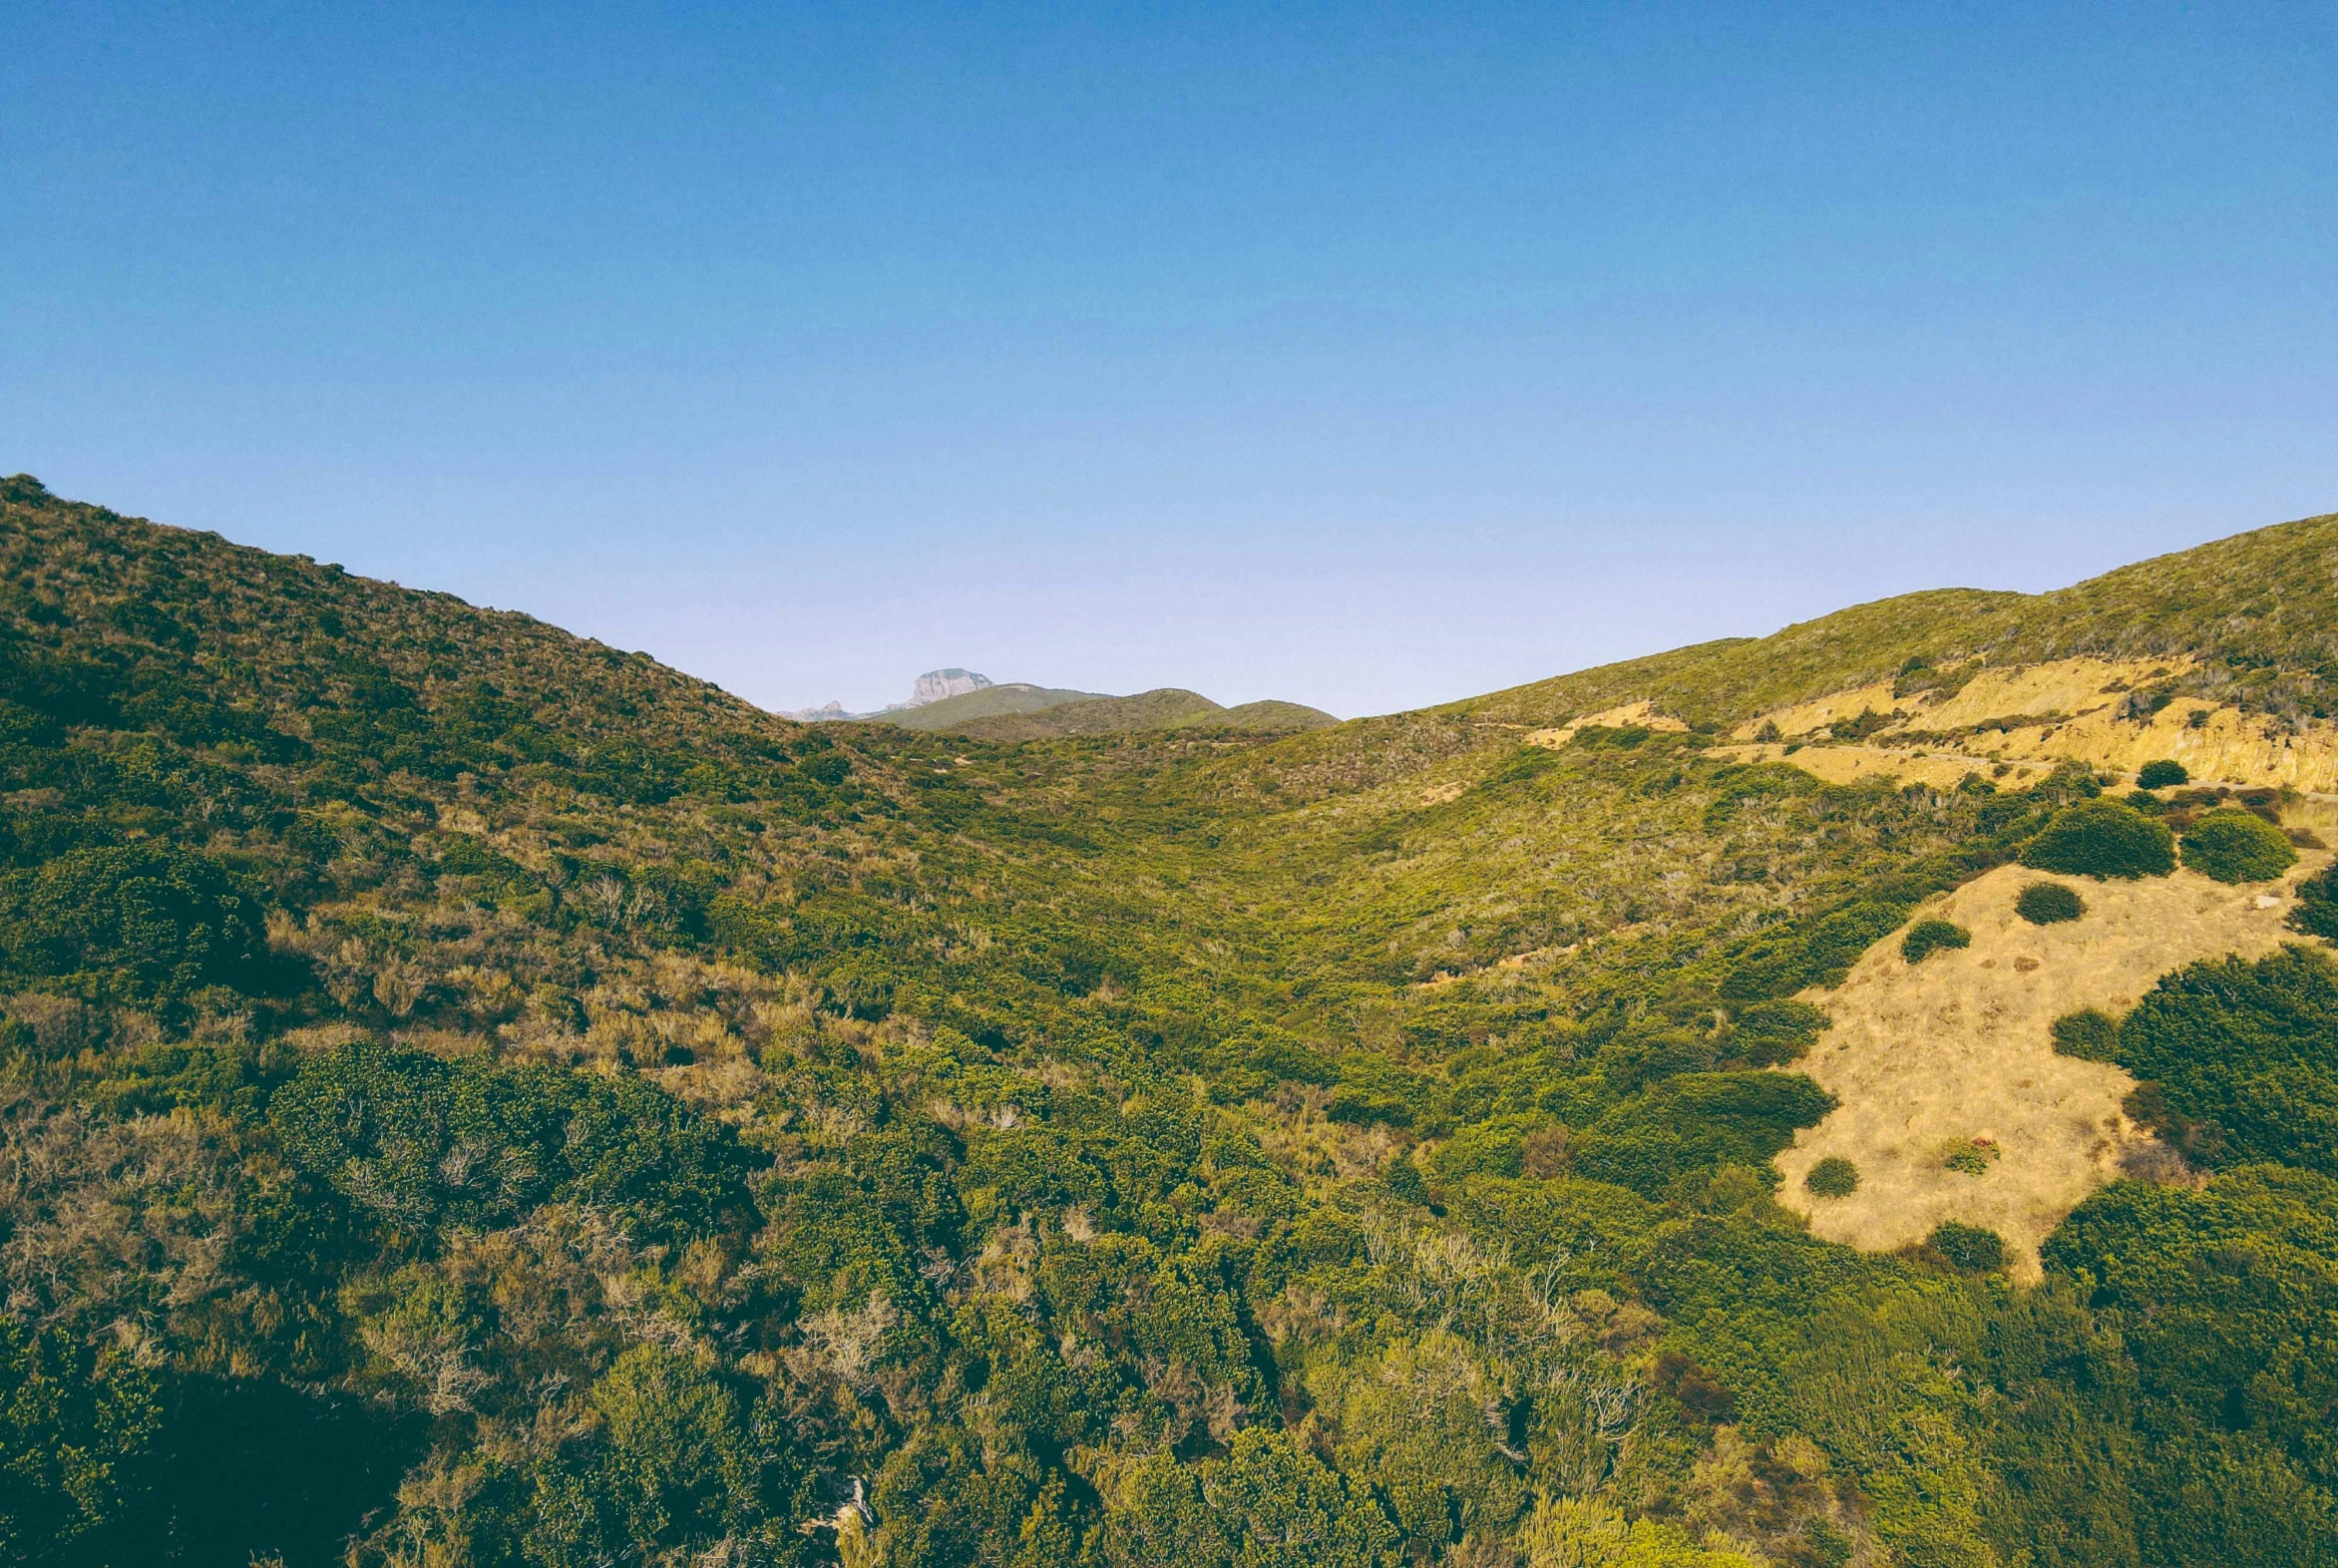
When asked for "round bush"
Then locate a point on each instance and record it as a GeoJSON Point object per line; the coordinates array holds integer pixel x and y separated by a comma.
{"type": "Point", "coordinates": [1832, 1177]}
{"type": "Point", "coordinates": [2236, 846]}
{"type": "Point", "coordinates": [2102, 838]}
{"type": "Point", "coordinates": [1928, 937]}
{"type": "Point", "coordinates": [2049, 903]}
{"type": "Point", "coordinates": [1972, 1248]}
{"type": "Point", "coordinates": [2160, 774]}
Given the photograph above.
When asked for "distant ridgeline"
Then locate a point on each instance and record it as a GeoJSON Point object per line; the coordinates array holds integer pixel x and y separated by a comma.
{"type": "Point", "coordinates": [962, 702]}
{"type": "Point", "coordinates": [1867, 1096]}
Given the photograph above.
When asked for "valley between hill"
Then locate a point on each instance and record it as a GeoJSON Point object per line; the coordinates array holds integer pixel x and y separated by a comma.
{"type": "Point", "coordinates": [475, 1095]}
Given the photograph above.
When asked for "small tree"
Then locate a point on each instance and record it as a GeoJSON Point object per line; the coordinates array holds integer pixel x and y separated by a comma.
{"type": "Point", "coordinates": [2160, 773]}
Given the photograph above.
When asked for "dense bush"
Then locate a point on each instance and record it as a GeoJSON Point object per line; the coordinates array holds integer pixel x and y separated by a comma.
{"type": "Point", "coordinates": [1928, 937]}
{"type": "Point", "coordinates": [2049, 903]}
{"type": "Point", "coordinates": [2317, 905]}
{"type": "Point", "coordinates": [2089, 1035]}
{"type": "Point", "coordinates": [1832, 1177]}
{"type": "Point", "coordinates": [417, 1143]}
{"type": "Point", "coordinates": [1818, 954]}
{"type": "Point", "coordinates": [2240, 1060]}
{"type": "Point", "coordinates": [2102, 838]}
{"type": "Point", "coordinates": [138, 922]}
{"type": "Point", "coordinates": [2236, 846]}
{"type": "Point", "coordinates": [2162, 773]}
{"type": "Point", "coordinates": [1973, 1248]}
{"type": "Point", "coordinates": [72, 1420]}
{"type": "Point", "coordinates": [2223, 1298]}
{"type": "Point", "coordinates": [1696, 1120]}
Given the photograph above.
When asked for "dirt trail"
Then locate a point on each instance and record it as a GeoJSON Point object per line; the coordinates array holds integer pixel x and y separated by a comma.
{"type": "Point", "coordinates": [1959, 1047]}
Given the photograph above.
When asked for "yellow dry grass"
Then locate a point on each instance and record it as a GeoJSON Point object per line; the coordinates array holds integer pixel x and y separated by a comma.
{"type": "Point", "coordinates": [1806, 718]}
{"type": "Point", "coordinates": [1850, 764]}
{"type": "Point", "coordinates": [1959, 1047]}
{"type": "Point", "coordinates": [1641, 714]}
{"type": "Point", "coordinates": [2065, 686]}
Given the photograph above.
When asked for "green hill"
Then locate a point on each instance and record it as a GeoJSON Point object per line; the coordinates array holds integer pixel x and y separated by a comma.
{"type": "Point", "coordinates": [476, 1095]}
{"type": "Point", "coordinates": [1166, 709]}
{"type": "Point", "coordinates": [990, 702]}
{"type": "Point", "coordinates": [1038, 713]}
{"type": "Point", "coordinates": [2256, 608]}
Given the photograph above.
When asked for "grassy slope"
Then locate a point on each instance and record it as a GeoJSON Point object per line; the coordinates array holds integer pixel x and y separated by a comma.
{"type": "Point", "coordinates": [2260, 606]}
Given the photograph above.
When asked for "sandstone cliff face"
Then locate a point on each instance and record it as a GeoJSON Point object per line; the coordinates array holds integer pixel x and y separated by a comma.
{"type": "Point", "coordinates": [2016, 724]}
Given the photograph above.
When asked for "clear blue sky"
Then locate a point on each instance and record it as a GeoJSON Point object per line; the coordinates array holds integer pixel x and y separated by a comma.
{"type": "Point", "coordinates": [1360, 354]}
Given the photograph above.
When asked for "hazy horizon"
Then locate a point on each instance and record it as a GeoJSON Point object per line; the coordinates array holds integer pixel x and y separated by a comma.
{"type": "Point", "coordinates": [1361, 360]}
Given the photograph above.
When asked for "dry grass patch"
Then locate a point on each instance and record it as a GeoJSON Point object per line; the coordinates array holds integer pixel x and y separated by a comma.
{"type": "Point", "coordinates": [1957, 1053]}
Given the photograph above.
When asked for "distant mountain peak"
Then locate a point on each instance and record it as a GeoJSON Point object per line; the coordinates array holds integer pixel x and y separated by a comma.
{"type": "Point", "coordinates": [935, 685]}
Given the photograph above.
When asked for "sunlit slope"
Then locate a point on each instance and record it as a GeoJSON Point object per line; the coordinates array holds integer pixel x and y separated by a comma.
{"type": "Point", "coordinates": [2259, 610]}
{"type": "Point", "coordinates": [273, 640]}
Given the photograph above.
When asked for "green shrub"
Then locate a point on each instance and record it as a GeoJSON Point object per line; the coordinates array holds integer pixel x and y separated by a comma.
{"type": "Point", "coordinates": [2236, 846]}
{"type": "Point", "coordinates": [135, 923]}
{"type": "Point", "coordinates": [1969, 1156]}
{"type": "Point", "coordinates": [2102, 838]}
{"type": "Point", "coordinates": [1818, 953]}
{"type": "Point", "coordinates": [2049, 903]}
{"type": "Point", "coordinates": [2238, 1060]}
{"type": "Point", "coordinates": [1695, 1120]}
{"type": "Point", "coordinates": [1972, 1248]}
{"type": "Point", "coordinates": [2160, 774]}
{"type": "Point", "coordinates": [2089, 1035]}
{"type": "Point", "coordinates": [1928, 937]}
{"type": "Point", "coordinates": [2317, 905]}
{"type": "Point", "coordinates": [1832, 1177]}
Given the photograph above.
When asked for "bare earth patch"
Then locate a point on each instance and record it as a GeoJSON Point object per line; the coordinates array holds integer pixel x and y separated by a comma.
{"type": "Point", "coordinates": [1957, 1052]}
{"type": "Point", "coordinates": [2031, 717]}
{"type": "Point", "coordinates": [1641, 713]}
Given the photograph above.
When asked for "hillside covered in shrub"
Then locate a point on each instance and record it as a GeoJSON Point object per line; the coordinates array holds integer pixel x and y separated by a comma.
{"type": "Point", "coordinates": [477, 1096]}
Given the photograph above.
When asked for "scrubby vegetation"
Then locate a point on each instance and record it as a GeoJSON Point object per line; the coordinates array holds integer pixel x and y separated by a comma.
{"type": "Point", "coordinates": [2161, 774]}
{"type": "Point", "coordinates": [1928, 937]}
{"type": "Point", "coordinates": [2089, 1035]}
{"type": "Point", "coordinates": [2240, 1061]}
{"type": "Point", "coordinates": [2317, 905]}
{"type": "Point", "coordinates": [474, 1096]}
{"type": "Point", "coordinates": [1971, 1247]}
{"type": "Point", "coordinates": [2049, 903]}
{"type": "Point", "coordinates": [2236, 846]}
{"type": "Point", "coordinates": [2104, 839]}
{"type": "Point", "coordinates": [1832, 1177]}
